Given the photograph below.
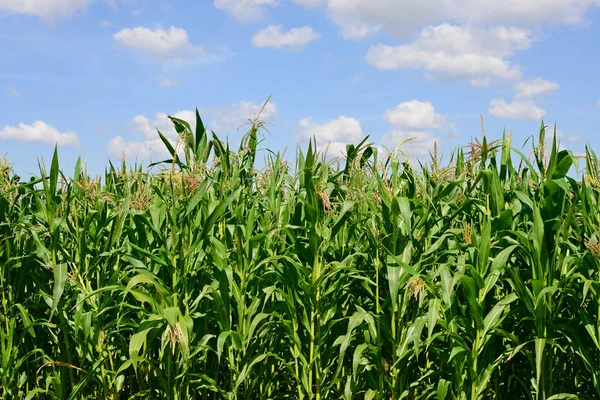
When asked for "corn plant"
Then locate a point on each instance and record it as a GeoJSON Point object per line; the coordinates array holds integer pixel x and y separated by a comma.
{"type": "Point", "coordinates": [206, 276]}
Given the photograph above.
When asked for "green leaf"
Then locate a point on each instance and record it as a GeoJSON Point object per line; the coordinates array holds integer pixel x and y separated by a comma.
{"type": "Point", "coordinates": [54, 174]}
{"type": "Point", "coordinates": [217, 213]}
{"type": "Point", "coordinates": [27, 324]}
{"type": "Point", "coordinates": [493, 318]}
{"type": "Point", "coordinates": [456, 350]}
{"type": "Point", "coordinates": [370, 395]}
{"type": "Point", "coordinates": [200, 133]}
{"type": "Point", "coordinates": [135, 345]}
{"type": "Point", "coordinates": [565, 396]}
{"type": "Point", "coordinates": [564, 164]}
{"type": "Point", "coordinates": [167, 144]}
{"type": "Point", "coordinates": [550, 290]}
{"type": "Point", "coordinates": [433, 314]}
{"type": "Point", "coordinates": [471, 294]}
{"type": "Point", "coordinates": [33, 393]}
{"type": "Point", "coordinates": [357, 358]}
{"type": "Point", "coordinates": [60, 278]}
{"type": "Point", "coordinates": [89, 376]}
{"type": "Point", "coordinates": [540, 345]}
{"type": "Point", "coordinates": [442, 389]}
{"type": "Point", "coordinates": [393, 274]}
{"type": "Point", "coordinates": [341, 217]}
{"type": "Point", "coordinates": [248, 367]}
{"type": "Point", "coordinates": [236, 341]}
{"type": "Point", "coordinates": [498, 266]}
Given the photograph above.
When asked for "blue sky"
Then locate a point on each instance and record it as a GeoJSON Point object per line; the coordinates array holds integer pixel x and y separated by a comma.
{"type": "Point", "coordinates": [97, 77]}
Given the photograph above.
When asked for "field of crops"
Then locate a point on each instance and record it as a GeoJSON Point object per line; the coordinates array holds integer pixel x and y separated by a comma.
{"type": "Point", "coordinates": [205, 277]}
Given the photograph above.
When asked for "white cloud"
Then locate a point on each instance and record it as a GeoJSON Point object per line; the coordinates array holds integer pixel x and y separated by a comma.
{"type": "Point", "coordinates": [148, 127]}
{"type": "Point", "coordinates": [412, 120]}
{"type": "Point", "coordinates": [164, 81]}
{"type": "Point", "coordinates": [39, 132]}
{"type": "Point", "coordinates": [152, 145]}
{"type": "Point", "coordinates": [224, 120]}
{"type": "Point", "coordinates": [481, 82]}
{"type": "Point", "coordinates": [414, 115]}
{"type": "Point", "coordinates": [160, 43]}
{"type": "Point", "coordinates": [333, 135]}
{"type": "Point", "coordinates": [359, 18]}
{"type": "Point", "coordinates": [534, 88]}
{"type": "Point", "coordinates": [456, 52]}
{"type": "Point", "coordinates": [105, 23]}
{"type": "Point", "coordinates": [119, 147]}
{"type": "Point", "coordinates": [46, 9]}
{"type": "Point", "coordinates": [150, 150]}
{"type": "Point", "coordinates": [221, 120]}
{"type": "Point", "coordinates": [408, 120]}
{"type": "Point", "coordinates": [245, 10]}
{"type": "Point", "coordinates": [518, 109]}
{"type": "Point", "coordinates": [313, 4]}
{"type": "Point", "coordinates": [598, 104]}
{"type": "Point", "coordinates": [14, 92]}
{"type": "Point", "coordinates": [170, 45]}
{"type": "Point", "coordinates": [419, 145]}
{"type": "Point", "coordinates": [274, 37]}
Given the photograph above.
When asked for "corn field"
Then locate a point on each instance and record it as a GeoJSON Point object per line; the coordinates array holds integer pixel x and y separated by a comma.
{"type": "Point", "coordinates": [207, 277]}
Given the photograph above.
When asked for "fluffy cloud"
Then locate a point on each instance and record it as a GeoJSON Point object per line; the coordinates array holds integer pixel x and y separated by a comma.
{"type": "Point", "coordinates": [414, 115]}
{"type": "Point", "coordinates": [39, 132]}
{"type": "Point", "coordinates": [151, 146]}
{"type": "Point", "coordinates": [148, 127]}
{"type": "Point", "coordinates": [534, 88]}
{"type": "Point", "coordinates": [225, 120]}
{"type": "Point", "coordinates": [481, 82]}
{"type": "Point", "coordinates": [517, 109]}
{"type": "Point", "coordinates": [170, 45]}
{"type": "Point", "coordinates": [159, 43]}
{"type": "Point", "coordinates": [119, 147]}
{"type": "Point", "coordinates": [359, 18]}
{"type": "Point", "coordinates": [411, 122]}
{"type": "Point", "coordinates": [49, 10]}
{"type": "Point", "coordinates": [164, 81]}
{"type": "Point", "coordinates": [476, 48]}
{"type": "Point", "coordinates": [222, 120]}
{"type": "Point", "coordinates": [417, 143]}
{"type": "Point", "coordinates": [333, 135]}
{"type": "Point", "coordinates": [274, 37]}
{"type": "Point", "coordinates": [46, 9]}
{"type": "Point", "coordinates": [310, 3]}
{"type": "Point", "coordinates": [456, 52]}
{"type": "Point", "coordinates": [245, 10]}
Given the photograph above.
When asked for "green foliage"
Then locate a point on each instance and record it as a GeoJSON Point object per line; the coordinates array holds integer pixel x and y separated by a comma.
{"type": "Point", "coordinates": [211, 279]}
